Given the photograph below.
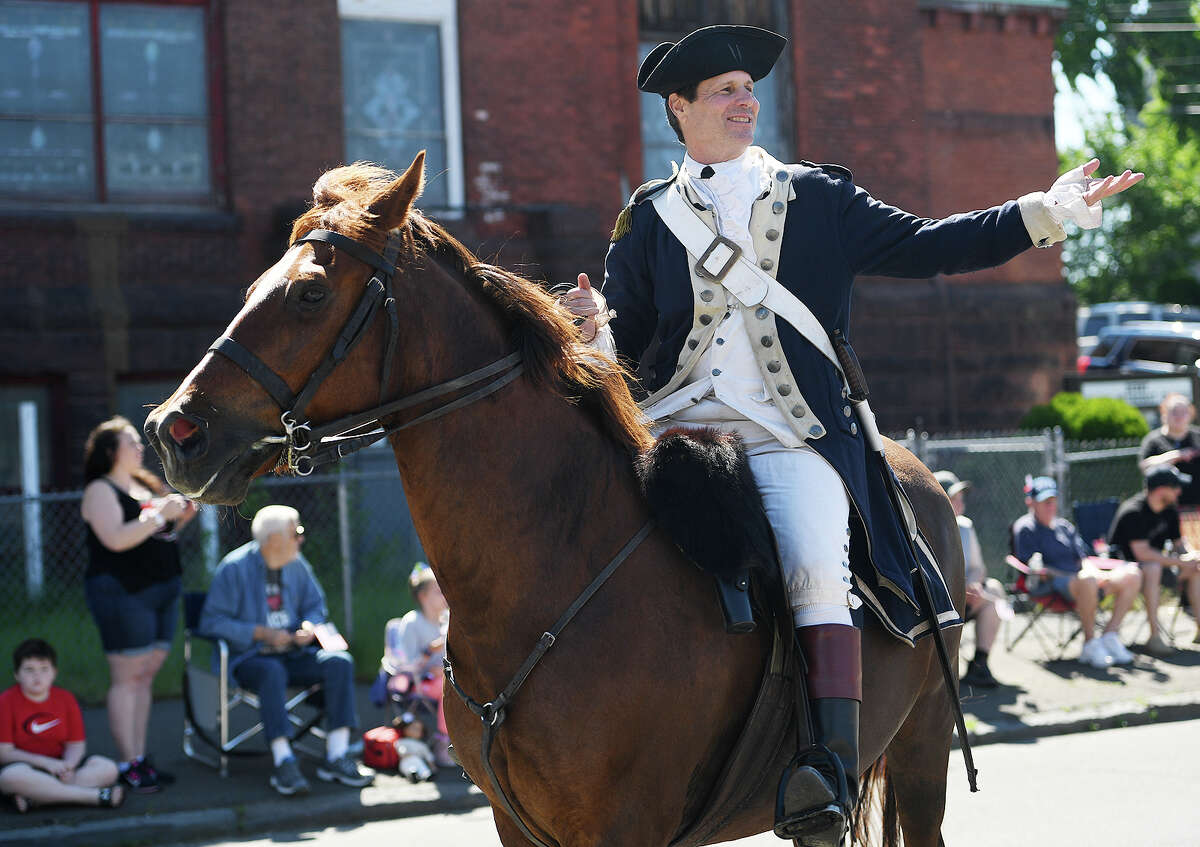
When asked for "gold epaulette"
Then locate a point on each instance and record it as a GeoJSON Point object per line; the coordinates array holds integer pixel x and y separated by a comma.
{"type": "Point", "coordinates": [623, 225]}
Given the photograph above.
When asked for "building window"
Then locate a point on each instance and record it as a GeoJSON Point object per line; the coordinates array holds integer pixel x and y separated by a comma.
{"type": "Point", "coordinates": [104, 101]}
{"type": "Point", "coordinates": [670, 20]}
{"type": "Point", "coordinates": [401, 91]}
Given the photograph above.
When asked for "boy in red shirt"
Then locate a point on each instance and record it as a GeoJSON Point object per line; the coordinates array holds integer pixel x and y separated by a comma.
{"type": "Point", "coordinates": [42, 740]}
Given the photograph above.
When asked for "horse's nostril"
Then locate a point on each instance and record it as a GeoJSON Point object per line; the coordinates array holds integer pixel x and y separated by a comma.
{"type": "Point", "coordinates": [182, 429]}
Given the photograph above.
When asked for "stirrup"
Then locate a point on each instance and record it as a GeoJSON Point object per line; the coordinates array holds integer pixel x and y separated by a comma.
{"type": "Point", "coordinates": [811, 808]}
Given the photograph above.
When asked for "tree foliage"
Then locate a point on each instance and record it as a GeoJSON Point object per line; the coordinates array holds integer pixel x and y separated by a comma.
{"type": "Point", "coordinates": [1149, 245]}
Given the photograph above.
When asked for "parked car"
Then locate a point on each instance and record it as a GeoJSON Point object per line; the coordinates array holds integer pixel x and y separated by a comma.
{"type": "Point", "coordinates": [1089, 320]}
{"type": "Point", "coordinates": [1144, 347]}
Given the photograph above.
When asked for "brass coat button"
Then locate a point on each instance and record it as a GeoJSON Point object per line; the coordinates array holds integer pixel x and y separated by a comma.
{"type": "Point", "coordinates": [692, 343]}
{"type": "Point", "coordinates": [784, 390]}
{"type": "Point", "coordinates": [772, 234]}
{"type": "Point", "coordinates": [777, 207]}
{"type": "Point", "coordinates": [766, 341]}
{"type": "Point", "coordinates": [706, 295]}
{"type": "Point", "coordinates": [781, 176]}
{"type": "Point", "coordinates": [773, 366]}
{"type": "Point", "coordinates": [762, 313]}
{"type": "Point", "coordinates": [706, 319]}
{"type": "Point", "coordinates": [816, 431]}
{"type": "Point", "coordinates": [766, 264]}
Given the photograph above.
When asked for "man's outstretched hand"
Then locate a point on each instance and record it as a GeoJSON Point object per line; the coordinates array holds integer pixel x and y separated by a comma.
{"type": "Point", "coordinates": [585, 303]}
{"type": "Point", "coordinates": [1097, 188]}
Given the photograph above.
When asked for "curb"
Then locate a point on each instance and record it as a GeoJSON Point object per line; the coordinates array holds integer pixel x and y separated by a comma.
{"type": "Point", "coordinates": [405, 801]}
{"type": "Point", "coordinates": [1182, 706]}
{"type": "Point", "coordinates": [232, 822]}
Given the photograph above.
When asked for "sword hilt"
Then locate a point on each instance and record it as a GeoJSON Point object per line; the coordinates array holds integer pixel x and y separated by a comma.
{"type": "Point", "coordinates": [855, 378]}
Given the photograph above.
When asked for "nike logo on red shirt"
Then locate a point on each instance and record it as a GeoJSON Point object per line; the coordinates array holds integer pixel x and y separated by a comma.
{"type": "Point", "coordinates": [36, 728]}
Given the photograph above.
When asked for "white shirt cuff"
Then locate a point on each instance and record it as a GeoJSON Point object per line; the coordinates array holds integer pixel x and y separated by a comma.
{"type": "Point", "coordinates": [603, 341]}
{"type": "Point", "coordinates": [1044, 229]}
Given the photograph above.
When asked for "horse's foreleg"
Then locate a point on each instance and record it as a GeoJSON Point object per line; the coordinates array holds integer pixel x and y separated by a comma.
{"type": "Point", "coordinates": [510, 834]}
{"type": "Point", "coordinates": [917, 760]}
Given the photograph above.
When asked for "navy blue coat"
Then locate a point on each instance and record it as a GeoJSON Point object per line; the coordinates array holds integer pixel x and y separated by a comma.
{"type": "Point", "coordinates": [834, 231]}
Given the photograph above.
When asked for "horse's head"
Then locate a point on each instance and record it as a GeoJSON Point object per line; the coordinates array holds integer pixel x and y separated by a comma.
{"type": "Point", "coordinates": [325, 299]}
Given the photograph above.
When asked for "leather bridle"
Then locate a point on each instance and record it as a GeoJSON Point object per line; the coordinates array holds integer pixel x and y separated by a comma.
{"type": "Point", "coordinates": [307, 446]}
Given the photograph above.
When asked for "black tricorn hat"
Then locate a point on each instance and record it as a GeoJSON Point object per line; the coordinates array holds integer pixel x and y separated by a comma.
{"type": "Point", "coordinates": [708, 52]}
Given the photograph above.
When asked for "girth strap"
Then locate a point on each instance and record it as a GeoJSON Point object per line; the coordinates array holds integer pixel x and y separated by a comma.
{"type": "Point", "coordinates": [494, 712]}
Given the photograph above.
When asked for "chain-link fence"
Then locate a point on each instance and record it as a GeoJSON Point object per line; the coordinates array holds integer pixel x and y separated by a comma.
{"type": "Point", "coordinates": [996, 466]}
{"type": "Point", "coordinates": [359, 539]}
{"type": "Point", "coordinates": [361, 542]}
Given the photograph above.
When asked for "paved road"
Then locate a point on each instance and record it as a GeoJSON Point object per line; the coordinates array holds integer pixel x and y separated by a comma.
{"type": "Point", "coordinates": [1132, 787]}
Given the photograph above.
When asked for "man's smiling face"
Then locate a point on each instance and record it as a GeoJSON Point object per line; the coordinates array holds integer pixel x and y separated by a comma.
{"type": "Point", "coordinates": [719, 124]}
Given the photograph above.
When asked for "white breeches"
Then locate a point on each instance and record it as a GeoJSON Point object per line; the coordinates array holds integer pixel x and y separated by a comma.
{"type": "Point", "coordinates": [809, 511]}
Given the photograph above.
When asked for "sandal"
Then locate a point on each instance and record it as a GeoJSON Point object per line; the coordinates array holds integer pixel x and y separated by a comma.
{"type": "Point", "coordinates": [111, 797]}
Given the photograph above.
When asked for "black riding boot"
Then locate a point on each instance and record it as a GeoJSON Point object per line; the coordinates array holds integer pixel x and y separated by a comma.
{"type": "Point", "coordinates": [819, 789]}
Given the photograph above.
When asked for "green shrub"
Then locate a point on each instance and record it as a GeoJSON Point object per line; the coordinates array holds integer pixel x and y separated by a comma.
{"type": "Point", "coordinates": [1089, 419]}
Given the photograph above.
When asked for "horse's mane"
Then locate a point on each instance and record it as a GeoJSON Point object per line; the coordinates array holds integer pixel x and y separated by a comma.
{"type": "Point", "coordinates": [542, 330]}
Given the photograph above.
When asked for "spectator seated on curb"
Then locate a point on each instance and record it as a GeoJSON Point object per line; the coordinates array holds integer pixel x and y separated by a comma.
{"type": "Point", "coordinates": [1066, 568]}
{"type": "Point", "coordinates": [986, 603]}
{"type": "Point", "coordinates": [1146, 530]}
{"type": "Point", "coordinates": [42, 742]}
{"type": "Point", "coordinates": [265, 602]}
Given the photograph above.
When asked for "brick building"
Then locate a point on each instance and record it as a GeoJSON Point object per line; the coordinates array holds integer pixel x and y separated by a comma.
{"type": "Point", "coordinates": [153, 154]}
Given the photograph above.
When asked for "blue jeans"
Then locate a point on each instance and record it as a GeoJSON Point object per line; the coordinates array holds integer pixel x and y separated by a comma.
{"type": "Point", "coordinates": [270, 675]}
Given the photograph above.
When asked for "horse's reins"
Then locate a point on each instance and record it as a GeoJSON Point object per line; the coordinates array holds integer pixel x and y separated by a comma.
{"type": "Point", "coordinates": [308, 447]}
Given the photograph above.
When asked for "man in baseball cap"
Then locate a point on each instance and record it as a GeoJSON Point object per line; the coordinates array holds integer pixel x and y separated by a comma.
{"type": "Point", "coordinates": [1146, 530]}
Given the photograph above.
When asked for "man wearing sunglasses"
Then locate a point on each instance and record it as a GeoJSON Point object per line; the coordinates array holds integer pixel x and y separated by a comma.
{"type": "Point", "coordinates": [265, 602]}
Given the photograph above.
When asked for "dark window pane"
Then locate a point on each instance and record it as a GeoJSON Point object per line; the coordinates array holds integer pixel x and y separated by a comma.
{"type": "Point", "coordinates": [45, 59]}
{"type": "Point", "coordinates": [153, 61]}
{"type": "Point", "coordinates": [392, 89]}
{"type": "Point", "coordinates": [1153, 350]}
{"type": "Point", "coordinates": [47, 158]}
{"type": "Point", "coordinates": [156, 159]}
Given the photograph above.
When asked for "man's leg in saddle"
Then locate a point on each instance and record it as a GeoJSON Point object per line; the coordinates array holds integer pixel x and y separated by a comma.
{"type": "Point", "coordinates": [809, 512]}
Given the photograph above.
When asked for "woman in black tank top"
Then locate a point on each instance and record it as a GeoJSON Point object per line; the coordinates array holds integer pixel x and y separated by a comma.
{"type": "Point", "coordinates": [132, 582]}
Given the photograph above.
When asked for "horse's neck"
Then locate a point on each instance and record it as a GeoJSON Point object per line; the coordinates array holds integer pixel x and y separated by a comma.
{"type": "Point", "coordinates": [517, 504]}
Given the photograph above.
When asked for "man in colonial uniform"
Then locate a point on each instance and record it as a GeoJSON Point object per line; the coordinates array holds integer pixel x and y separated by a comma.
{"type": "Point", "coordinates": [734, 353]}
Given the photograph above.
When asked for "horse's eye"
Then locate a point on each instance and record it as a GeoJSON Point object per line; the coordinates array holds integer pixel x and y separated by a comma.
{"type": "Point", "coordinates": [312, 295]}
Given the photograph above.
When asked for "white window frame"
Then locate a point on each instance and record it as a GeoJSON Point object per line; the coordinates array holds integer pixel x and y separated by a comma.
{"type": "Point", "coordinates": [443, 13]}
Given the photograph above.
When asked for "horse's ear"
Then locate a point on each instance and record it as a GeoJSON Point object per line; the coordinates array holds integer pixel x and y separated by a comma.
{"type": "Point", "coordinates": [392, 204]}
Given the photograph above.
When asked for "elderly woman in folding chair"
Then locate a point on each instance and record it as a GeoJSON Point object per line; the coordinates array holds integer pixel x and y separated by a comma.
{"type": "Point", "coordinates": [1068, 569]}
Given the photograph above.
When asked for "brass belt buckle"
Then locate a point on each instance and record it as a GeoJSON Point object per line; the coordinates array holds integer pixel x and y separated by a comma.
{"type": "Point", "coordinates": [718, 243]}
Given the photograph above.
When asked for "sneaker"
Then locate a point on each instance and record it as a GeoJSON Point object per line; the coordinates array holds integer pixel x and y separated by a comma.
{"type": "Point", "coordinates": [978, 676]}
{"type": "Point", "coordinates": [163, 778]}
{"type": "Point", "coordinates": [1158, 648]}
{"type": "Point", "coordinates": [140, 779]}
{"type": "Point", "coordinates": [287, 779]}
{"type": "Point", "coordinates": [1120, 654]}
{"type": "Point", "coordinates": [1095, 655]}
{"type": "Point", "coordinates": [344, 770]}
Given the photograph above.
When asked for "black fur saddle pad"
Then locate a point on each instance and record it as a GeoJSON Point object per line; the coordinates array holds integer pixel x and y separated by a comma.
{"type": "Point", "coordinates": [700, 489]}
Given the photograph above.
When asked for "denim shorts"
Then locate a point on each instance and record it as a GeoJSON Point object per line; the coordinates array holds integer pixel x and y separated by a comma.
{"type": "Point", "coordinates": [135, 623]}
{"type": "Point", "coordinates": [1060, 585]}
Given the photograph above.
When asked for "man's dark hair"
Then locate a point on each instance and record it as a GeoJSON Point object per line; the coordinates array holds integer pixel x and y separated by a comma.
{"type": "Point", "coordinates": [688, 93]}
{"type": "Point", "coordinates": [34, 648]}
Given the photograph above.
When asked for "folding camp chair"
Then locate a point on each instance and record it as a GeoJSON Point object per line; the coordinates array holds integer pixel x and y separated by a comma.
{"type": "Point", "coordinates": [1093, 520]}
{"type": "Point", "coordinates": [223, 716]}
{"type": "Point", "coordinates": [1041, 608]}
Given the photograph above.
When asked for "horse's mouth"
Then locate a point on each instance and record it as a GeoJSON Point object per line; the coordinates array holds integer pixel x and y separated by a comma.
{"type": "Point", "coordinates": [228, 482]}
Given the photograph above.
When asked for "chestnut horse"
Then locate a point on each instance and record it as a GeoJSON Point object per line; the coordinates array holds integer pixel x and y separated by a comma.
{"type": "Point", "coordinates": [520, 498]}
